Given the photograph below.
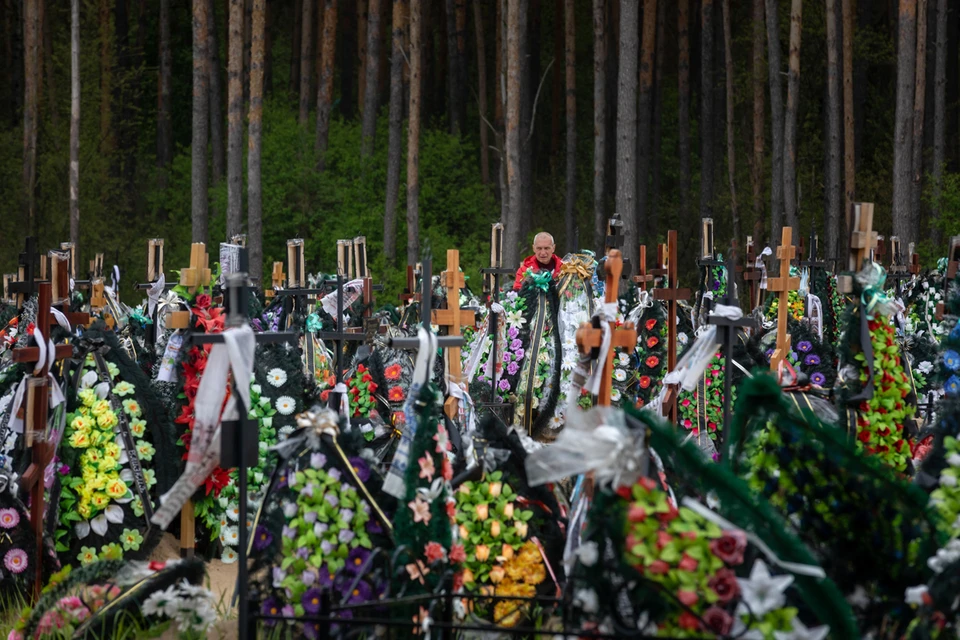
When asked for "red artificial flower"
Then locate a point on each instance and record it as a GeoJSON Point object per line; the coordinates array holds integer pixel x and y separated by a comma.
{"type": "Point", "coordinates": [395, 394]}
{"type": "Point", "coordinates": [156, 565]}
{"type": "Point", "coordinates": [452, 510]}
{"type": "Point", "coordinates": [652, 341]}
{"type": "Point", "coordinates": [30, 328]}
{"type": "Point", "coordinates": [730, 546]}
{"type": "Point", "coordinates": [688, 598]}
{"type": "Point", "coordinates": [688, 621]}
{"type": "Point", "coordinates": [659, 568]}
{"type": "Point", "coordinates": [663, 539]}
{"type": "Point", "coordinates": [688, 564]}
{"type": "Point", "coordinates": [446, 469]}
{"type": "Point", "coordinates": [644, 382]}
{"type": "Point", "coordinates": [652, 361]}
{"type": "Point", "coordinates": [324, 395]}
{"type": "Point", "coordinates": [361, 369]}
{"type": "Point", "coordinates": [393, 372]}
{"type": "Point", "coordinates": [366, 378]}
{"type": "Point", "coordinates": [724, 584]}
{"type": "Point", "coordinates": [669, 516]}
{"type": "Point", "coordinates": [398, 418]}
{"type": "Point", "coordinates": [202, 301]}
{"type": "Point", "coordinates": [651, 323]}
{"type": "Point", "coordinates": [864, 436]}
{"type": "Point", "coordinates": [372, 387]}
{"type": "Point", "coordinates": [718, 620]}
{"type": "Point", "coordinates": [647, 483]}
{"type": "Point", "coordinates": [434, 551]}
{"type": "Point", "coordinates": [216, 481]}
{"type": "Point", "coordinates": [457, 553]}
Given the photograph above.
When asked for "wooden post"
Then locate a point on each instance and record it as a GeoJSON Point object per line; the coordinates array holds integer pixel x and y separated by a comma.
{"type": "Point", "coordinates": [671, 293]}
{"type": "Point", "coordinates": [198, 273]}
{"type": "Point", "coordinates": [453, 318]}
{"type": "Point", "coordinates": [783, 285]}
{"type": "Point", "coordinates": [360, 256]}
{"type": "Point", "coordinates": [862, 239]}
{"type": "Point", "coordinates": [71, 249]}
{"type": "Point", "coordinates": [643, 277]}
{"type": "Point", "coordinates": [296, 278]}
{"type": "Point", "coordinates": [154, 259]}
{"type": "Point", "coordinates": [752, 275]}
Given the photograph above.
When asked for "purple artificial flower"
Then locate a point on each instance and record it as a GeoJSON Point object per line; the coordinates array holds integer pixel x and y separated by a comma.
{"type": "Point", "coordinates": [288, 611]}
{"type": "Point", "coordinates": [262, 538]}
{"type": "Point", "coordinates": [519, 353]}
{"type": "Point", "coordinates": [356, 558]}
{"type": "Point", "coordinates": [507, 357]}
{"type": "Point", "coordinates": [308, 577]}
{"type": "Point", "coordinates": [303, 553]}
{"type": "Point", "coordinates": [279, 575]}
{"type": "Point", "coordinates": [361, 593]}
{"type": "Point", "coordinates": [319, 528]}
{"type": "Point", "coordinates": [504, 385]}
{"type": "Point", "coordinates": [365, 507]}
{"type": "Point", "coordinates": [817, 378]}
{"type": "Point", "coordinates": [326, 546]}
{"type": "Point", "coordinates": [346, 515]}
{"type": "Point", "coordinates": [311, 600]}
{"type": "Point", "coordinates": [361, 468]}
{"type": "Point", "coordinates": [335, 474]}
{"type": "Point", "coordinates": [804, 345]}
{"type": "Point", "coordinates": [289, 532]}
{"type": "Point", "coordinates": [811, 359]}
{"type": "Point", "coordinates": [311, 630]}
{"type": "Point", "coordinates": [307, 490]}
{"type": "Point", "coordinates": [515, 344]}
{"type": "Point", "coordinates": [282, 481]}
{"type": "Point", "coordinates": [716, 285]}
{"type": "Point", "coordinates": [793, 355]}
{"type": "Point", "coordinates": [318, 460]}
{"type": "Point", "coordinates": [310, 517]}
{"type": "Point", "coordinates": [373, 526]}
{"type": "Point", "coordinates": [768, 352]}
{"type": "Point", "coordinates": [64, 469]}
{"type": "Point", "coordinates": [346, 536]}
{"type": "Point", "coordinates": [332, 499]}
{"type": "Point", "coordinates": [512, 368]}
{"type": "Point", "coordinates": [325, 578]}
{"type": "Point", "coordinates": [270, 607]}
{"type": "Point", "coordinates": [513, 332]}
{"type": "Point", "coordinates": [256, 325]}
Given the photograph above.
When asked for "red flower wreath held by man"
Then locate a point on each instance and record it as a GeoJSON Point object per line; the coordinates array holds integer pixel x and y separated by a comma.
{"type": "Point", "coordinates": [543, 259]}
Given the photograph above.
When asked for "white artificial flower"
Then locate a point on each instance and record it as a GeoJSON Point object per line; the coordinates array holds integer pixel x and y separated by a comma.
{"type": "Point", "coordinates": [587, 600]}
{"type": "Point", "coordinates": [516, 319]}
{"type": "Point", "coordinates": [914, 595]}
{"type": "Point", "coordinates": [277, 377]}
{"type": "Point", "coordinates": [290, 510]}
{"type": "Point", "coordinates": [588, 553]}
{"type": "Point", "coordinates": [925, 367]}
{"type": "Point", "coordinates": [285, 431]}
{"type": "Point", "coordinates": [801, 632]}
{"type": "Point", "coordinates": [153, 605]}
{"type": "Point", "coordinates": [88, 380]}
{"type": "Point", "coordinates": [286, 405]}
{"type": "Point", "coordinates": [229, 556]}
{"type": "Point", "coordinates": [948, 479]}
{"type": "Point", "coordinates": [230, 535]}
{"type": "Point", "coordinates": [256, 388]}
{"type": "Point", "coordinates": [954, 460]}
{"type": "Point", "coordinates": [614, 395]}
{"type": "Point", "coordinates": [619, 375]}
{"type": "Point", "coordinates": [623, 359]}
{"type": "Point", "coordinates": [233, 511]}
{"type": "Point", "coordinates": [762, 592]}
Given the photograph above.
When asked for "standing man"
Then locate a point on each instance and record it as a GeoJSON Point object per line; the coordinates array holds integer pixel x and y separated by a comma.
{"type": "Point", "coordinates": [543, 259]}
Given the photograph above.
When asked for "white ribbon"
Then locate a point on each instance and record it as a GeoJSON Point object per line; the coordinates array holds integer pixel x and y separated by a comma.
{"type": "Point", "coordinates": [691, 366]}
{"type": "Point", "coordinates": [812, 571]}
{"type": "Point", "coordinates": [116, 276]}
{"type": "Point", "coordinates": [730, 312]}
{"type": "Point", "coordinates": [351, 291]}
{"type": "Point", "coordinates": [234, 354]}
{"type": "Point", "coordinates": [607, 313]}
{"type": "Point", "coordinates": [468, 419]}
{"type": "Point", "coordinates": [341, 388]}
{"type": "Point", "coordinates": [815, 313]}
{"type": "Point", "coordinates": [497, 308]}
{"type": "Point", "coordinates": [154, 293]}
{"type": "Point", "coordinates": [432, 492]}
{"type": "Point", "coordinates": [61, 319]}
{"type": "Point", "coordinates": [760, 264]}
{"type": "Point", "coordinates": [804, 287]}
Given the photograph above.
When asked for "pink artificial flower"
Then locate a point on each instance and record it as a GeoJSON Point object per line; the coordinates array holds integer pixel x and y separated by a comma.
{"type": "Point", "coordinates": [421, 510]}
{"type": "Point", "coordinates": [730, 546]}
{"type": "Point", "coordinates": [426, 467]}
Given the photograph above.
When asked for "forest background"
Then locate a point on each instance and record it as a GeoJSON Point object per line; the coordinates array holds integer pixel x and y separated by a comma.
{"type": "Point", "coordinates": [547, 114]}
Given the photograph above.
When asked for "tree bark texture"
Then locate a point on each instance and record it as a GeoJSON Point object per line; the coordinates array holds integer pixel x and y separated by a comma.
{"type": "Point", "coordinates": [529, 82]}
{"type": "Point", "coordinates": [255, 136]}
{"type": "Point", "coordinates": [106, 77]}
{"type": "Point", "coordinates": [599, 121]}
{"type": "Point", "coordinates": [200, 126]}
{"type": "Point", "coordinates": [30, 111]}
{"type": "Point", "coordinates": [75, 122]}
{"type": "Point", "coordinates": [216, 93]}
{"type": "Point", "coordinates": [513, 141]}
{"type": "Point", "coordinates": [849, 150]}
{"type": "Point", "coordinates": [235, 120]}
{"type": "Point", "coordinates": [164, 125]}
{"type": "Point", "coordinates": [731, 140]}
{"type": "Point", "coordinates": [267, 51]}
{"type": "Point", "coordinates": [903, 218]}
{"type": "Point", "coordinates": [656, 166]}
{"type": "Point", "coordinates": [294, 80]}
{"type": "Point", "coordinates": [325, 88]}
{"type": "Point", "coordinates": [556, 82]}
{"type": "Point", "coordinates": [759, 123]}
{"type": "Point", "coordinates": [570, 54]}
{"type": "Point", "coordinates": [346, 30]}
{"type": "Point", "coordinates": [774, 65]}
{"type": "Point", "coordinates": [939, 115]}
{"type": "Point", "coordinates": [648, 46]}
{"type": "Point", "coordinates": [306, 43]}
{"type": "Point", "coordinates": [371, 98]}
{"type": "Point", "coordinates": [394, 149]}
{"type": "Point", "coordinates": [920, 95]}
{"type": "Point", "coordinates": [683, 83]}
{"type": "Point", "coordinates": [834, 199]}
{"type": "Point", "coordinates": [482, 91]}
{"type": "Point", "coordinates": [456, 69]}
{"type": "Point", "coordinates": [790, 117]}
{"type": "Point", "coordinates": [413, 139]}
{"type": "Point", "coordinates": [706, 108]}
{"type": "Point", "coordinates": [362, 17]}
{"type": "Point", "coordinates": [627, 128]}
{"type": "Point", "coordinates": [247, 46]}
{"type": "Point", "coordinates": [48, 68]}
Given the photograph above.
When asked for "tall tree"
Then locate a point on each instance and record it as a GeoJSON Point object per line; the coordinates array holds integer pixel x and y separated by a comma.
{"type": "Point", "coordinates": [49, 68]}
{"type": "Point", "coordinates": [706, 108]}
{"type": "Point", "coordinates": [939, 115]}
{"type": "Point", "coordinates": [362, 50]}
{"type": "Point", "coordinates": [306, 42]}
{"type": "Point", "coordinates": [371, 81]}
{"type": "Point", "coordinates": [413, 139]}
{"type": "Point", "coordinates": [216, 113]}
{"type": "Point", "coordinates": [570, 40]}
{"type": "Point", "coordinates": [106, 79]}
{"type": "Point", "coordinates": [164, 125]}
{"type": "Point", "coordinates": [599, 121]}
{"type": "Point", "coordinates": [774, 66]}
{"type": "Point", "coordinates": [456, 69]}
{"type": "Point", "coordinates": [482, 91]}
{"type": "Point", "coordinates": [346, 29]}
{"type": "Point", "coordinates": [235, 120]}
{"type": "Point", "coordinates": [325, 88]}
{"type": "Point", "coordinates": [790, 116]}
{"type": "Point", "coordinates": [918, 110]}
{"type": "Point", "coordinates": [512, 63]}
{"type": "Point", "coordinates": [834, 226]}
{"type": "Point", "coordinates": [267, 51]}
{"type": "Point", "coordinates": [394, 150]}
{"type": "Point", "coordinates": [627, 127]}
{"type": "Point", "coordinates": [644, 112]}
{"type": "Point", "coordinates": [247, 46]}
{"type": "Point", "coordinates": [201, 114]}
{"type": "Point", "coordinates": [683, 110]}
{"type": "Point", "coordinates": [905, 222]}
{"type": "Point", "coordinates": [75, 122]}
{"type": "Point", "coordinates": [849, 151]}
{"type": "Point", "coordinates": [31, 75]}
{"type": "Point", "coordinates": [556, 82]}
{"type": "Point", "coordinates": [656, 167]}
{"type": "Point", "coordinates": [255, 133]}
{"type": "Point", "coordinates": [731, 141]}
{"type": "Point", "coordinates": [759, 122]}
{"type": "Point", "coordinates": [294, 80]}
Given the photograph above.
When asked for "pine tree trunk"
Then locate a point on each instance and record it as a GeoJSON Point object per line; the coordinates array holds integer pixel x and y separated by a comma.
{"type": "Point", "coordinates": [656, 166]}
{"type": "Point", "coordinates": [731, 142]}
{"type": "Point", "coordinates": [317, 49]}
{"type": "Point", "coordinates": [267, 53]}
{"type": "Point", "coordinates": [648, 46]}
{"type": "Point", "coordinates": [706, 108]}
{"type": "Point", "coordinates": [247, 46]}
{"type": "Point", "coordinates": [482, 91]}
{"type": "Point", "coordinates": [325, 88]}
{"type": "Point", "coordinates": [413, 139]}
{"type": "Point", "coordinates": [254, 131]}
{"type": "Point", "coordinates": [8, 59]}
{"type": "Point", "coordinates": [529, 81]}
{"type": "Point", "coordinates": [106, 78]}
{"type": "Point", "coordinates": [939, 115]}
{"type": "Point", "coordinates": [216, 93]}
{"type": "Point", "coordinates": [512, 63]}
{"type": "Point", "coordinates": [454, 91]}
{"type": "Point", "coordinates": [17, 57]}
{"type": "Point", "coordinates": [306, 42]}
{"type": "Point", "coordinates": [834, 201]}
{"type": "Point", "coordinates": [570, 47]}
{"type": "Point", "coordinates": [599, 121]}
{"type": "Point", "coordinates": [460, 12]}
{"type": "Point", "coordinates": [759, 122]}
{"type": "Point", "coordinates": [394, 150]}
{"type": "Point", "coordinates": [200, 126]}
{"type": "Point", "coordinates": [627, 128]}
{"type": "Point", "coordinates": [371, 79]}
{"type": "Point", "coordinates": [864, 15]}
{"type": "Point", "coordinates": [774, 66]}
{"type": "Point", "coordinates": [49, 70]}
{"type": "Point", "coordinates": [918, 112]}
{"type": "Point", "coordinates": [75, 122]}
{"type": "Point", "coordinates": [346, 30]}
{"type": "Point", "coordinates": [235, 120]}
{"type": "Point", "coordinates": [790, 118]}
{"type": "Point", "coordinates": [903, 217]}
{"type": "Point", "coordinates": [30, 111]}
{"type": "Point", "coordinates": [683, 82]}
{"type": "Point", "coordinates": [849, 150]}
{"type": "Point", "coordinates": [362, 17]}
{"type": "Point", "coordinates": [556, 83]}
{"type": "Point", "coordinates": [164, 126]}
{"type": "Point", "coordinates": [294, 81]}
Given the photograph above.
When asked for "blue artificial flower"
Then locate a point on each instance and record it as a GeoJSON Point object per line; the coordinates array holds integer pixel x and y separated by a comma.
{"type": "Point", "coordinates": [952, 386]}
{"type": "Point", "coordinates": [818, 378]}
{"type": "Point", "coordinates": [812, 360]}
{"type": "Point", "coordinates": [951, 359]}
{"type": "Point", "coordinates": [804, 345]}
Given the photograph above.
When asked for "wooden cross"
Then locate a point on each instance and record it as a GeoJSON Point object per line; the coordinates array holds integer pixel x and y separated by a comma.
{"type": "Point", "coordinates": [60, 290]}
{"type": "Point", "coordinates": [277, 280]}
{"type": "Point", "coordinates": [671, 293]}
{"type": "Point", "coordinates": [25, 285]}
{"type": "Point", "coordinates": [97, 300]}
{"type": "Point", "coordinates": [862, 239]}
{"type": "Point", "coordinates": [614, 240]}
{"type": "Point", "coordinates": [752, 275]}
{"type": "Point", "coordinates": [897, 272]}
{"type": "Point", "coordinates": [345, 258]}
{"type": "Point", "coordinates": [914, 266]}
{"type": "Point", "coordinates": [879, 251]}
{"type": "Point", "coordinates": [360, 256]}
{"type": "Point", "coordinates": [590, 334]}
{"type": "Point", "coordinates": [198, 273]}
{"type": "Point", "coordinates": [953, 267]}
{"type": "Point", "coordinates": [296, 276]}
{"type": "Point", "coordinates": [410, 291]}
{"type": "Point", "coordinates": [783, 285]}
{"type": "Point", "coordinates": [453, 318]}
{"type": "Point", "coordinates": [643, 278]}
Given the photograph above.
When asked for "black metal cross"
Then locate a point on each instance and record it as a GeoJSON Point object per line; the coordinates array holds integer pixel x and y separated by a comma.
{"type": "Point", "coordinates": [26, 286]}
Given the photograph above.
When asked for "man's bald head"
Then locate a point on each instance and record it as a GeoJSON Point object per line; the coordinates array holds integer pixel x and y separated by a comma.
{"type": "Point", "coordinates": [543, 247]}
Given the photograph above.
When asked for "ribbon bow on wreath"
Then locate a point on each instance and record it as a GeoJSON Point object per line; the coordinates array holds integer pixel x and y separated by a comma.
{"type": "Point", "coordinates": [313, 323]}
{"type": "Point", "coordinates": [541, 279]}
{"type": "Point", "coordinates": [579, 266]}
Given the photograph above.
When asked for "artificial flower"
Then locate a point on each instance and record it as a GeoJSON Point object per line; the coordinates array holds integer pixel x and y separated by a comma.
{"type": "Point", "coordinates": [131, 539]}
{"type": "Point", "coordinates": [123, 389]}
{"type": "Point", "coordinates": [286, 405]}
{"type": "Point", "coordinates": [15, 560]}
{"type": "Point", "coordinates": [762, 592]}
{"type": "Point", "coordinates": [434, 551]}
{"type": "Point", "coordinates": [393, 372]}
{"type": "Point", "coordinates": [421, 510]}
{"type": "Point", "coordinates": [395, 394]}
{"type": "Point", "coordinates": [277, 377]}
{"type": "Point", "coordinates": [132, 408]}
{"type": "Point", "coordinates": [9, 518]}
